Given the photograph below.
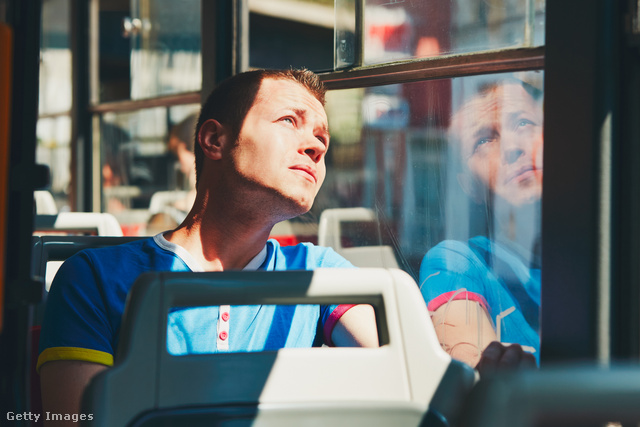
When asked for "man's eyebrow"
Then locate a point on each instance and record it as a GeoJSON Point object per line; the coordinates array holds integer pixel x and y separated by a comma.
{"type": "Point", "coordinates": [301, 112]}
{"type": "Point", "coordinates": [515, 114]}
{"type": "Point", "coordinates": [484, 130]}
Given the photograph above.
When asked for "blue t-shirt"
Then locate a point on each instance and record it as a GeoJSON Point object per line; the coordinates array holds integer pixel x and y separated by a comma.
{"type": "Point", "coordinates": [87, 298]}
{"type": "Point", "coordinates": [491, 274]}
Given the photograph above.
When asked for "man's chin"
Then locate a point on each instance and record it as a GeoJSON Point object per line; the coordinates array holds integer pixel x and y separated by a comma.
{"type": "Point", "coordinates": [293, 207]}
{"type": "Point", "coordinates": [523, 200]}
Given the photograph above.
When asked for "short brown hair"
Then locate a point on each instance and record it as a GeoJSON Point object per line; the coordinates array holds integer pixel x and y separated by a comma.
{"type": "Point", "coordinates": [232, 99]}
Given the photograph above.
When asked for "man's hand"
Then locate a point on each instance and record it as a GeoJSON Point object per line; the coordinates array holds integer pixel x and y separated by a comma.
{"type": "Point", "coordinates": [498, 356]}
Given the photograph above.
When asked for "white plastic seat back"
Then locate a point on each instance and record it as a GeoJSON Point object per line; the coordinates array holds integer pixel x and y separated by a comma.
{"type": "Point", "coordinates": [330, 234]}
{"type": "Point", "coordinates": [160, 200]}
{"type": "Point", "coordinates": [101, 224]}
{"type": "Point", "coordinates": [390, 385]}
{"type": "Point", "coordinates": [45, 203]}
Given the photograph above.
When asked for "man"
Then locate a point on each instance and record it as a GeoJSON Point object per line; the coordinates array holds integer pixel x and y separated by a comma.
{"type": "Point", "coordinates": [260, 159]}
{"type": "Point", "coordinates": [488, 288]}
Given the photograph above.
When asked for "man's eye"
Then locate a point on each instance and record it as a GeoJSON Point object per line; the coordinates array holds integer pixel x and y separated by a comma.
{"type": "Point", "coordinates": [524, 122]}
{"type": "Point", "coordinates": [483, 141]}
{"type": "Point", "coordinates": [288, 120]}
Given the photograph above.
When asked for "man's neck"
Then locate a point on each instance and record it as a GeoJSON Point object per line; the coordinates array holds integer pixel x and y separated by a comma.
{"type": "Point", "coordinates": [221, 239]}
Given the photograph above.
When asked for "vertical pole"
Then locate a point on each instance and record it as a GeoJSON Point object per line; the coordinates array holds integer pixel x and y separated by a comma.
{"type": "Point", "coordinates": [218, 34]}
{"type": "Point", "coordinates": [23, 178]}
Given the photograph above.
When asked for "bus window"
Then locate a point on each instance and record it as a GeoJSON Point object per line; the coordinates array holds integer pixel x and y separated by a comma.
{"type": "Point", "coordinates": [397, 30]}
{"type": "Point", "coordinates": [165, 47]}
{"type": "Point", "coordinates": [55, 92]}
{"type": "Point", "coordinates": [453, 171]}
{"type": "Point", "coordinates": [283, 33]}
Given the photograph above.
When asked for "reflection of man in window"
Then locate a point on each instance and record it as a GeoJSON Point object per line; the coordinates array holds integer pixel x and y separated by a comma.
{"type": "Point", "coordinates": [488, 288]}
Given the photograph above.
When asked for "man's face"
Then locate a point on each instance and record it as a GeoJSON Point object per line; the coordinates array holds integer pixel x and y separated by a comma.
{"type": "Point", "coordinates": [501, 137]}
{"type": "Point", "coordinates": [280, 150]}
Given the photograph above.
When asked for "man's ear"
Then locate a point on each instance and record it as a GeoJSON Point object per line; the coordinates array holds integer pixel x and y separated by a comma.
{"type": "Point", "coordinates": [213, 138]}
{"type": "Point", "coordinates": [469, 186]}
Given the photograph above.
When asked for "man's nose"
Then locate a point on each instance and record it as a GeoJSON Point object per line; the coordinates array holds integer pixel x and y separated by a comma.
{"type": "Point", "coordinates": [314, 148]}
{"type": "Point", "coordinates": [512, 148]}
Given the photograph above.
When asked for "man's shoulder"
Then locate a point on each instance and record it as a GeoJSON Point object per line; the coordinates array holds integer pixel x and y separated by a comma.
{"type": "Point", "coordinates": [449, 249]}
{"type": "Point", "coordinates": [139, 246]}
{"type": "Point", "coordinates": [455, 257]}
{"type": "Point", "coordinates": [119, 258]}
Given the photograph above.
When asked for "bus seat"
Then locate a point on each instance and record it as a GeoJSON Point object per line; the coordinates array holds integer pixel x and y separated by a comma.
{"type": "Point", "coordinates": [563, 394]}
{"type": "Point", "coordinates": [160, 200]}
{"type": "Point", "coordinates": [48, 253]}
{"type": "Point", "coordinates": [45, 204]}
{"type": "Point", "coordinates": [95, 223]}
{"type": "Point", "coordinates": [330, 234]}
{"type": "Point", "coordinates": [390, 385]}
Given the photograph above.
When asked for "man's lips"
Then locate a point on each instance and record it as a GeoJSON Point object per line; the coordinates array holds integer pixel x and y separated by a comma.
{"type": "Point", "coordinates": [307, 171]}
{"type": "Point", "coordinates": [523, 173]}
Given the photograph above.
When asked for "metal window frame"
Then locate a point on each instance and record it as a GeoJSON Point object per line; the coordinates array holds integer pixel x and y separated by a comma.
{"type": "Point", "coordinates": [590, 273]}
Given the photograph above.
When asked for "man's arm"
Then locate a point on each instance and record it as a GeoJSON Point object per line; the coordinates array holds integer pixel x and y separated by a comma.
{"type": "Point", "coordinates": [356, 328]}
{"type": "Point", "coordinates": [62, 383]}
{"type": "Point", "coordinates": [463, 329]}
{"type": "Point", "coordinates": [466, 333]}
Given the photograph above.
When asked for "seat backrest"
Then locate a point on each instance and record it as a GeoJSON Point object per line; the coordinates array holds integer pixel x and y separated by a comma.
{"type": "Point", "coordinates": [330, 234]}
{"type": "Point", "coordinates": [162, 199]}
{"type": "Point", "coordinates": [567, 395]}
{"type": "Point", "coordinates": [97, 223]}
{"type": "Point", "coordinates": [45, 203]}
{"type": "Point", "coordinates": [49, 252]}
{"type": "Point", "coordinates": [390, 385]}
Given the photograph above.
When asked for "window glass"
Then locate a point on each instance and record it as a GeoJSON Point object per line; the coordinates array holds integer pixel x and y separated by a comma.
{"type": "Point", "coordinates": [54, 125]}
{"type": "Point", "coordinates": [147, 168]}
{"type": "Point", "coordinates": [114, 51]}
{"type": "Point", "coordinates": [55, 58]}
{"type": "Point", "coordinates": [148, 48]}
{"type": "Point", "coordinates": [54, 150]}
{"type": "Point", "coordinates": [451, 173]}
{"type": "Point", "coordinates": [398, 29]}
{"type": "Point", "coordinates": [165, 47]}
{"type": "Point", "coordinates": [291, 33]}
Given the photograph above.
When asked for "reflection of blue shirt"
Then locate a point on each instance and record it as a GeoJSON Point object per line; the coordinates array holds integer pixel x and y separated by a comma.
{"type": "Point", "coordinates": [87, 298]}
{"type": "Point", "coordinates": [487, 272]}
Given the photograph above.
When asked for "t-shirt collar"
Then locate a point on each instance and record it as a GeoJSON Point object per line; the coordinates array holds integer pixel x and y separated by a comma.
{"type": "Point", "coordinates": [183, 254]}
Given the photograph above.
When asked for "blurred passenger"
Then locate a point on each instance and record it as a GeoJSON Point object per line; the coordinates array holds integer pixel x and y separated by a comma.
{"type": "Point", "coordinates": [181, 145]}
{"type": "Point", "coordinates": [172, 206]}
{"type": "Point", "coordinates": [260, 159]}
{"type": "Point", "coordinates": [488, 288]}
{"type": "Point", "coordinates": [114, 164]}
{"type": "Point", "coordinates": [120, 167]}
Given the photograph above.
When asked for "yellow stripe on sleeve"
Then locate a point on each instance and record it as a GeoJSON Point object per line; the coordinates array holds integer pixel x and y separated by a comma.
{"type": "Point", "coordinates": [74, 353]}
